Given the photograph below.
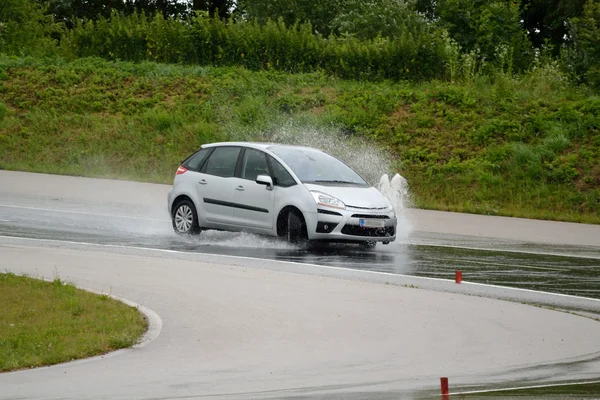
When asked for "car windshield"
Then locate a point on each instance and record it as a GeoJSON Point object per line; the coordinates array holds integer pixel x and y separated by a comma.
{"type": "Point", "coordinates": [314, 166]}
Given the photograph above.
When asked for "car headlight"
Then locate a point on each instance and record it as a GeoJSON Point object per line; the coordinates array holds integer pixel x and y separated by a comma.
{"type": "Point", "coordinates": [391, 207]}
{"type": "Point", "coordinates": [326, 200]}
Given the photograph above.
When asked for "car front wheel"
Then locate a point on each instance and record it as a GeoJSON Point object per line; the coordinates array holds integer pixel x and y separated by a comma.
{"type": "Point", "coordinates": [185, 218]}
{"type": "Point", "coordinates": [296, 228]}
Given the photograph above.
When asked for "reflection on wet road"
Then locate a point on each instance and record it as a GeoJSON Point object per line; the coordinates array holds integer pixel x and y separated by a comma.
{"type": "Point", "coordinates": [572, 270]}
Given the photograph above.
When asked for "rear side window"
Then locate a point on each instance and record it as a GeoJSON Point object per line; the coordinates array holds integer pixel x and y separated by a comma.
{"type": "Point", "coordinates": [222, 161]}
{"type": "Point", "coordinates": [280, 175]}
{"type": "Point", "coordinates": [196, 161]}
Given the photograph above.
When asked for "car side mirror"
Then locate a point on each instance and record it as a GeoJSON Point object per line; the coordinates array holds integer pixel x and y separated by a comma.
{"type": "Point", "coordinates": [265, 180]}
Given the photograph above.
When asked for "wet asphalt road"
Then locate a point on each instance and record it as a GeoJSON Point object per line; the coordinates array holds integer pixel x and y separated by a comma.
{"type": "Point", "coordinates": [566, 269]}
{"type": "Point", "coordinates": [83, 215]}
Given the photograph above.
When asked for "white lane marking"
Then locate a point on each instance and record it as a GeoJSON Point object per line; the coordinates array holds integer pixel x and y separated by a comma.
{"type": "Point", "coordinates": [83, 213]}
{"type": "Point", "coordinates": [4, 220]}
{"type": "Point", "coordinates": [307, 264]}
{"type": "Point", "coordinates": [524, 251]}
{"type": "Point", "coordinates": [525, 387]}
{"type": "Point", "coordinates": [501, 265]}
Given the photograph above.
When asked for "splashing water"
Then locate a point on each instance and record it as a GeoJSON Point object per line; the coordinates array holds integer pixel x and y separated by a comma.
{"type": "Point", "coordinates": [396, 190]}
{"type": "Point", "coordinates": [368, 160]}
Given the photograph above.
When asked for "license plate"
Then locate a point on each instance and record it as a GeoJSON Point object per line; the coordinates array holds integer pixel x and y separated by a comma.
{"type": "Point", "coordinates": [371, 223]}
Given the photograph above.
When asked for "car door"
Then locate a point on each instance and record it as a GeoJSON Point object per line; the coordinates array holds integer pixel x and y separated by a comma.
{"type": "Point", "coordinates": [253, 202]}
{"type": "Point", "coordinates": [215, 184]}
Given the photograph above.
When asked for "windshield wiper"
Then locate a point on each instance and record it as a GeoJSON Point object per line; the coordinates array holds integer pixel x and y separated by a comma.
{"type": "Point", "coordinates": [336, 181]}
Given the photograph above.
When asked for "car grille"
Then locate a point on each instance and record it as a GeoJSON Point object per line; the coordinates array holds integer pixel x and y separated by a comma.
{"type": "Point", "coordinates": [367, 216]}
{"type": "Point", "coordinates": [356, 230]}
{"type": "Point", "coordinates": [366, 208]}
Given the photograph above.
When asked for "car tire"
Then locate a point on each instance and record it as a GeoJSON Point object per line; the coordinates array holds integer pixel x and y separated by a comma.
{"type": "Point", "coordinates": [296, 228]}
{"type": "Point", "coordinates": [185, 218]}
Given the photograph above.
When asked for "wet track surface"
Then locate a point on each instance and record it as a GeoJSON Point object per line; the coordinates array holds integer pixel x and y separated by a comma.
{"type": "Point", "coordinates": [95, 218]}
{"type": "Point", "coordinates": [573, 270]}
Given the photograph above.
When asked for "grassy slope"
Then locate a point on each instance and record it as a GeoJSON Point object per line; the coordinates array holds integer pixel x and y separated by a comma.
{"type": "Point", "coordinates": [44, 323]}
{"type": "Point", "coordinates": [522, 147]}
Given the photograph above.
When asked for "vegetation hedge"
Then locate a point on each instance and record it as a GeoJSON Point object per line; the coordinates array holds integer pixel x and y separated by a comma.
{"type": "Point", "coordinates": [273, 46]}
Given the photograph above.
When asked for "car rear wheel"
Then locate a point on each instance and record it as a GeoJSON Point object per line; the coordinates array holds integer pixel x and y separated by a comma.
{"type": "Point", "coordinates": [296, 228]}
{"type": "Point", "coordinates": [185, 218]}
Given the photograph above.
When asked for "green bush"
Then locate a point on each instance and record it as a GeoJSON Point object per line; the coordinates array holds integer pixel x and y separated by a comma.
{"type": "Point", "coordinates": [3, 111]}
{"type": "Point", "coordinates": [26, 29]}
{"type": "Point", "coordinates": [582, 55]}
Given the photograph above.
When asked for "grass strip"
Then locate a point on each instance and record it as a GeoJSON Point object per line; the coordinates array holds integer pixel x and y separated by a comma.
{"type": "Point", "coordinates": [44, 323]}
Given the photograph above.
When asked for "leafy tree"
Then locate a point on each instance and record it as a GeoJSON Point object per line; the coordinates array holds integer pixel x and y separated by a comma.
{"type": "Point", "coordinates": [67, 11]}
{"type": "Point", "coordinates": [367, 19]}
{"type": "Point", "coordinates": [25, 28]}
{"type": "Point", "coordinates": [319, 13]}
{"type": "Point", "coordinates": [546, 21]}
{"type": "Point", "coordinates": [426, 7]}
{"type": "Point", "coordinates": [222, 8]}
{"type": "Point", "coordinates": [582, 55]}
{"type": "Point", "coordinates": [482, 26]}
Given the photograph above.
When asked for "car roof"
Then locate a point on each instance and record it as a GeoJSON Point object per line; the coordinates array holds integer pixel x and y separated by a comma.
{"type": "Point", "coordinates": [256, 145]}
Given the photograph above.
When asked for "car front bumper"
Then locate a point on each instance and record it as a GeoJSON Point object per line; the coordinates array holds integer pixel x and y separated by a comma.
{"type": "Point", "coordinates": [345, 225]}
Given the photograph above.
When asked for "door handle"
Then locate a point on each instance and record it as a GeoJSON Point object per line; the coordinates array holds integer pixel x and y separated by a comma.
{"type": "Point", "coordinates": [202, 182]}
{"type": "Point", "coordinates": [240, 188]}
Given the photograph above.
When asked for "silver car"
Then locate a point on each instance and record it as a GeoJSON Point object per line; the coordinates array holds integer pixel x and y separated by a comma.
{"type": "Point", "coordinates": [297, 193]}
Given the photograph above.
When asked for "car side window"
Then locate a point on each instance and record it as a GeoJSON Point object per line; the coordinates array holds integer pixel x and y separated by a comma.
{"type": "Point", "coordinates": [280, 175]}
{"type": "Point", "coordinates": [195, 161]}
{"type": "Point", "coordinates": [222, 161]}
{"type": "Point", "coordinates": [254, 163]}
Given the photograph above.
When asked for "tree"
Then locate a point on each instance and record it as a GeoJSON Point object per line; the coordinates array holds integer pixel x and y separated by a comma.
{"type": "Point", "coordinates": [582, 53]}
{"type": "Point", "coordinates": [546, 21]}
{"type": "Point", "coordinates": [367, 19]}
{"type": "Point", "coordinates": [485, 26]}
{"type": "Point", "coordinates": [25, 28]}
{"type": "Point", "coordinates": [319, 13]}
{"type": "Point", "coordinates": [221, 8]}
{"type": "Point", "coordinates": [66, 11]}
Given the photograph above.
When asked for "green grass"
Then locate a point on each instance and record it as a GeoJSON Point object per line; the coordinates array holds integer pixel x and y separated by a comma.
{"type": "Point", "coordinates": [44, 323]}
{"type": "Point", "coordinates": [525, 146]}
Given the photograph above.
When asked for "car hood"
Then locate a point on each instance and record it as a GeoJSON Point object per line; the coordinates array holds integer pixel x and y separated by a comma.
{"type": "Point", "coordinates": [362, 197]}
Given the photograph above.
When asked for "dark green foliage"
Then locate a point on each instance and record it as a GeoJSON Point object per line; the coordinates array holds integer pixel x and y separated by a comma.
{"type": "Point", "coordinates": [25, 29]}
{"type": "Point", "coordinates": [547, 21]}
{"type": "Point", "coordinates": [385, 18]}
{"type": "Point", "coordinates": [69, 11]}
{"type": "Point", "coordinates": [272, 46]}
{"type": "Point", "coordinates": [374, 40]}
{"type": "Point", "coordinates": [582, 55]}
{"type": "Point", "coordinates": [320, 14]}
{"type": "Point", "coordinates": [485, 26]}
{"type": "Point", "coordinates": [214, 8]}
